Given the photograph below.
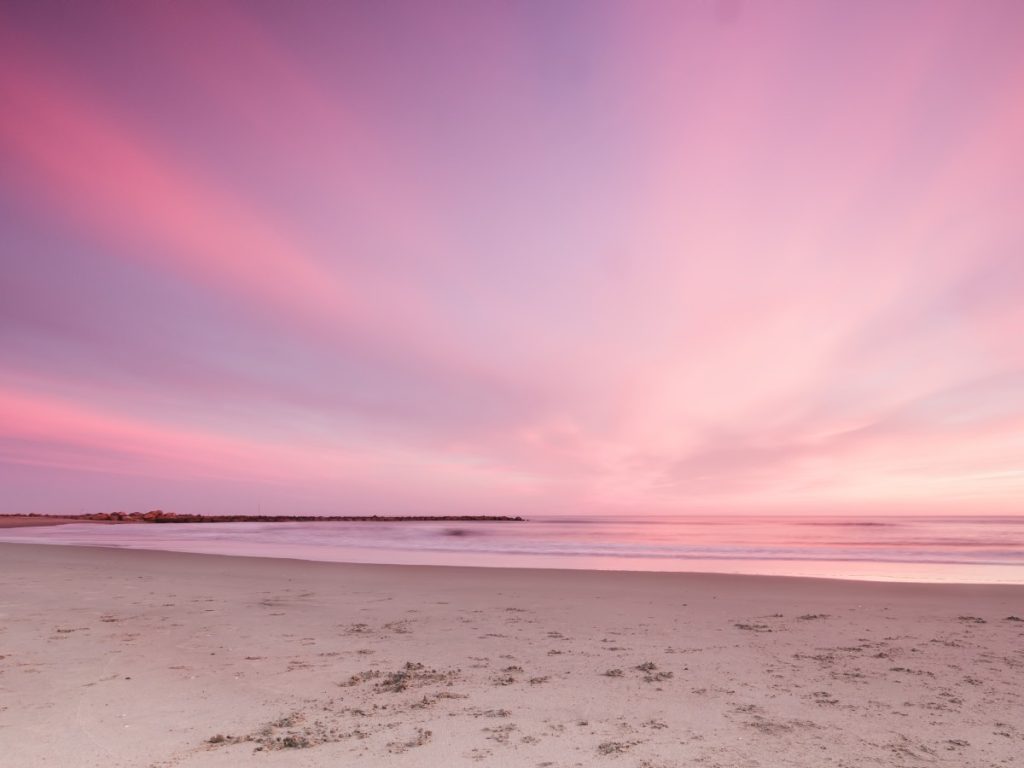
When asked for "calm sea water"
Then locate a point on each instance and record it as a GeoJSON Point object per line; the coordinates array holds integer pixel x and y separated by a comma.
{"type": "Point", "coordinates": [948, 549]}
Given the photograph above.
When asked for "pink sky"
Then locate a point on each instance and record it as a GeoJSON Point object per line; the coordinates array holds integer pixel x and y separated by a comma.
{"type": "Point", "coordinates": [489, 257]}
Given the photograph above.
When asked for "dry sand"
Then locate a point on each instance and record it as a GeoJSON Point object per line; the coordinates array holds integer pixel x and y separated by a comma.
{"type": "Point", "coordinates": [127, 658]}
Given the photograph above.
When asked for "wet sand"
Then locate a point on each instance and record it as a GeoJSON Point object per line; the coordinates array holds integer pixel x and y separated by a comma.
{"type": "Point", "coordinates": [136, 658]}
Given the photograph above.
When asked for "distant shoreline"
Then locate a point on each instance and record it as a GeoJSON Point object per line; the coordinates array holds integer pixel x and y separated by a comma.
{"type": "Point", "coordinates": [158, 516]}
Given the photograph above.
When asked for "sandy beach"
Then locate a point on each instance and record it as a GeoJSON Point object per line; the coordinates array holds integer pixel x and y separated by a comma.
{"type": "Point", "coordinates": [126, 658]}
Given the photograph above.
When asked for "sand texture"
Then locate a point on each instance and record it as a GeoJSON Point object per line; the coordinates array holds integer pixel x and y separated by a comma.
{"type": "Point", "coordinates": [127, 658]}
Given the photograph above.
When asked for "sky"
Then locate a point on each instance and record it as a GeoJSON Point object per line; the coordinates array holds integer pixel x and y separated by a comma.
{"type": "Point", "coordinates": [512, 257]}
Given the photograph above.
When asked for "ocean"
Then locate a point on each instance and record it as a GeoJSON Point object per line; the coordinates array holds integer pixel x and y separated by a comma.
{"type": "Point", "coordinates": [924, 549]}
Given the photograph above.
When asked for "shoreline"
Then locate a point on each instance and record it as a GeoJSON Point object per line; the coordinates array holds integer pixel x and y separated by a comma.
{"type": "Point", "coordinates": [171, 518]}
{"type": "Point", "coordinates": [300, 567]}
{"type": "Point", "coordinates": [173, 561]}
{"type": "Point", "coordinates": [536, 563]}
{"type": "Point", "coordinates": [16, 521]}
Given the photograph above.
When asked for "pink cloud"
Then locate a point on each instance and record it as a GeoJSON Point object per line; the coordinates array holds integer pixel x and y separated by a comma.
{"type": "Point", "coordinates": [645, 258]}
